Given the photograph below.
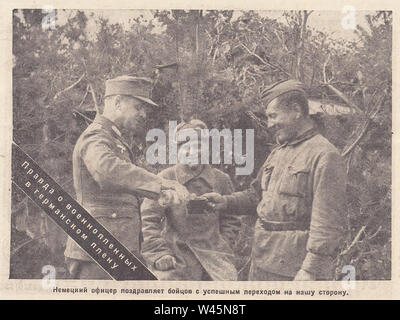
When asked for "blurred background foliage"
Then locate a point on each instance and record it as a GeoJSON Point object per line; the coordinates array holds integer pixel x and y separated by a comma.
{"type": "Point", "coordinates": [207, 65]}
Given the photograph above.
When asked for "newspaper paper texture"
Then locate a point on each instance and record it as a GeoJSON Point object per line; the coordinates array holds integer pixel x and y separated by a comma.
{"type": "Point", "coordinates": [204, 151]}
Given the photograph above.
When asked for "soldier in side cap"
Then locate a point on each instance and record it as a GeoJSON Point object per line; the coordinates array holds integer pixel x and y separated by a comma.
{"type": "Point", "coordinates": [299, 193]}
{"type": "Point", "coordinates": [107, 182]}
{"type": "Point", "coordinates": [184, 242]}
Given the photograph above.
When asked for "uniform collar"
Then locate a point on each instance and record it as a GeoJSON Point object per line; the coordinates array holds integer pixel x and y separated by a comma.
{"type": "Point", "coordinates": [303, 137]}
{"type": "Point", "coordinates": [184, 174]}
{"type": "Point", "coordinates": [109, 126]}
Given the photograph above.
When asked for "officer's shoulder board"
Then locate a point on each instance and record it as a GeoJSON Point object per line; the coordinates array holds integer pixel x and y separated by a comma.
{"type": "Point", "coordinates": [95, 126]}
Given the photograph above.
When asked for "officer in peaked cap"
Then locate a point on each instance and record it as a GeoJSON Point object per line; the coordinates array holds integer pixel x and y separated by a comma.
{"type": "Point", "coordinates": [299, 194]}
{"type": "Point", "coordinates": [107, 182]}
{"type": "Point", "coordinates": [136, 87]}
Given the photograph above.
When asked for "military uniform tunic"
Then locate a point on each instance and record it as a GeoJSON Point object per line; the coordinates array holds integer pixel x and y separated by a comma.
{"type": "Point", "coordinates": [108, 185]}
{"type": "Point", "coordinates": [300, 198]}
{"type": "Point", "coordinates": [199, 242]}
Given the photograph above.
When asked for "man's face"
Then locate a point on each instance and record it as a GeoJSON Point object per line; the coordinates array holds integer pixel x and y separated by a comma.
{"type": "Point", "coordinates": [189, 154]}
{"type": "Point", "coordinates": [133, 113]}
{"type": "Point", "coordinates": [282, 120]}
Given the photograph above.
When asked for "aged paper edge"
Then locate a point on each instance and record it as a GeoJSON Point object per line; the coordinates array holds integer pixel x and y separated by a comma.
{"type": "Point", "coordinates": [29, 289]}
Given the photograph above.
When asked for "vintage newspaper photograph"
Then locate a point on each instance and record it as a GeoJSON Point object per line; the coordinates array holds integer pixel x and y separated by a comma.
{"type": "Point", "coordinates": [241, 151]}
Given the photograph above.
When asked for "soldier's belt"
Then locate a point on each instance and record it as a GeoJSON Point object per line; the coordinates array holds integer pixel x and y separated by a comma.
{"type": "Point", "coordinates": [284, 225]}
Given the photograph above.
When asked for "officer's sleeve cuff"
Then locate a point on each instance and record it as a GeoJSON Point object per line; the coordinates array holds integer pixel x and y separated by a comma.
{"type": "Point", "coordinates": [232, 205]}
{"type": "Point", "coordinates": [229, 199]}
{"type": "Point", "coordinates": [152, 257]}
{"type": "Point", "coordinates": [150, 190]}
{"type": "Point", "coordinates": [319, 265]}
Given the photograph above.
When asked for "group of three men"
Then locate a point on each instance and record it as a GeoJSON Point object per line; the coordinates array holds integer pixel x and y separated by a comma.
{"type": "Point", "coordinates": [298, 194]}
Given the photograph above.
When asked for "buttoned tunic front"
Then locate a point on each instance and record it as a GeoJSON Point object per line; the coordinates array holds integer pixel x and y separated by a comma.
{"type": "Point", "coordinates": [302, 184]}
{"type": "Point", "coordinates": [108, 185]}
{"type": "Point", "coordinates": [199, 242]}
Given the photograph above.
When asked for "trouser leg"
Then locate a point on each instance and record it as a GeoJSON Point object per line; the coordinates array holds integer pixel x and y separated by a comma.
{"type": "Point", "coordinates": [205, 276]}
{"type": "Point", "coordinates": [258, 274]}
{"type": "Point", "coordinates": [87, 270]}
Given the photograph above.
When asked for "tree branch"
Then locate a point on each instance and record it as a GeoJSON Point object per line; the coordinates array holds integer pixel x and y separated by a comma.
{"type": "Point", "coordinates": [326, 81]}
{"type": "Point", "coordinates": [371, 115]}
{"type": "Point", "coordinates": [354, 242]}
{"type": "Point", "coordinates": [357, 140]}
{"type": "Point", "coordinates": [342, 96]}
{"type": "Point", "coordinates": [265, 62]}
{"type": "Point", "coordinates": [300, 48]}
{"type": "Point", "coordinates": [94, 98]}
{"type": "Point", "coordinates": [375, 233]}
{"type": "Point", "coordinates": [84, 96]}
{"type": "Point", "coordinates": [244, 266]}
{"type": "Point", "coordinates": [83, 116]}
{"type": "Point", "coordinates": [70, 87]}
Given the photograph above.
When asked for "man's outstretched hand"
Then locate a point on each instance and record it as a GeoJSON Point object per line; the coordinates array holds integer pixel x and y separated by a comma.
{"type": "Point", "coordinates": [219, 202]}
{"type": "Point", "coordinates": [165, 263]}
{"type": "Point", "coordinates": [173, 193]}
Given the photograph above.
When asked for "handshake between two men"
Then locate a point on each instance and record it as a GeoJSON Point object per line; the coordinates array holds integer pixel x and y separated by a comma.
{"type": "Point", "coordinates": [175, 194]}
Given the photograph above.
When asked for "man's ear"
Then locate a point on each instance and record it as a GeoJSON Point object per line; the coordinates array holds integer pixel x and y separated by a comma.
{"type": "Point", "coordinates": [117, 102]}
{"type": "Point", "coordinates": [297, 109]}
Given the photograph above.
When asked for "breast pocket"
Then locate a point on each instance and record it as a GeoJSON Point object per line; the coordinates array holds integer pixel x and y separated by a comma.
{"type": "Point", "coordinates": [294, 182]}
{"type": "Point", "coordinates": [293, 191]}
